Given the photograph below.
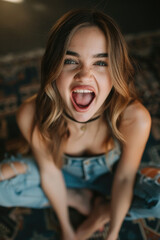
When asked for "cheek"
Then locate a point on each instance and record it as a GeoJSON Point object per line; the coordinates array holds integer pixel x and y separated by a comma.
{"type": "Point", "coordinates": [106, 82]}
{"type": "Point", "coordinates": [110, 84]}
{"type": "Point", "coordinates": [60, 87]}
{"type": "Point", "coordinates": [63, 87]}
{"type": "Point", "coordinates": [60, 83]}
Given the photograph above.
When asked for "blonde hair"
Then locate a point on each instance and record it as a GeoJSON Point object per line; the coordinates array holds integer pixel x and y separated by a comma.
{"type": "Point", "coordinates": [49, 105]}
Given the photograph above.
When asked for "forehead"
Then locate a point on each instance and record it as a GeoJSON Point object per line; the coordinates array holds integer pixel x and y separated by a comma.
{"type": "Point", "coordinates": [88, 38]}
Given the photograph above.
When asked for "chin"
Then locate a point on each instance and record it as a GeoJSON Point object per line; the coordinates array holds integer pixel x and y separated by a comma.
{"type": "Point", "coordinates": [83, 117]}
{"type": "Point", "coordinates": [83, 114]}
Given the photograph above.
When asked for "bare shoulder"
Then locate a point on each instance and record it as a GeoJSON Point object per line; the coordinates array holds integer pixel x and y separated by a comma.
{"type": "Point", "coordinates": [136, 113]}
{"type": "Point", "coordinates": [136, 118]}
{"type": "Point", "coordinates": [25, 117]}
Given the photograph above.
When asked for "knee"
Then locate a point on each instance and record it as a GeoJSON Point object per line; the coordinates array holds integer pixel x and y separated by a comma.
{"type": "Point", "coordinates": [11, 169]}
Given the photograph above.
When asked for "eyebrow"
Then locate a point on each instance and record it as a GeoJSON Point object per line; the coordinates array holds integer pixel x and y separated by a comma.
{"type": "Point", "coordinates": [99, 55]}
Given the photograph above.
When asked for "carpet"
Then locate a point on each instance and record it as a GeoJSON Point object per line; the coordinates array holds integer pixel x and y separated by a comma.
{"type": "Point", "coordinates": [19, 79]}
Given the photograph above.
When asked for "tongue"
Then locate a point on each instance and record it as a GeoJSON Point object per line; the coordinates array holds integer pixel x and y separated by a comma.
{"type": "Point", "coordinates": [82, 99]}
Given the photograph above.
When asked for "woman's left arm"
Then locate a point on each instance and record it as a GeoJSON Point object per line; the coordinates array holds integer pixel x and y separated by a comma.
{"type": "Point", "coordinates": [135, 127]}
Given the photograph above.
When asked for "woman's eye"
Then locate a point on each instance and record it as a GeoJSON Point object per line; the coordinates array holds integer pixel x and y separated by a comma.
{"type": "Point", "coordinates": [101, 63]}
{"type": "Point", "coordinates": [70, 61]}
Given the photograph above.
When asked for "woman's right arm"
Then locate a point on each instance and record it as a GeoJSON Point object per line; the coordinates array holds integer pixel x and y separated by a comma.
{"type": "Point", "coordinates": [51, 177]}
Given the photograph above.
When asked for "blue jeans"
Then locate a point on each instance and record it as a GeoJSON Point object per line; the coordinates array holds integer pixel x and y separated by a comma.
{"type": "Point", "coordinates": [89, 173]}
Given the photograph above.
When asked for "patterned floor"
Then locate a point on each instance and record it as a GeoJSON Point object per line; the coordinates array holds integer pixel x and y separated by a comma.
{"type": "Point", "coordinates": [32, 224]}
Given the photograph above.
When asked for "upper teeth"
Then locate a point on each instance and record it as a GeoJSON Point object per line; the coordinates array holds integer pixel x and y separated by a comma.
{"type": "Point", "coordinates": [82, 91]}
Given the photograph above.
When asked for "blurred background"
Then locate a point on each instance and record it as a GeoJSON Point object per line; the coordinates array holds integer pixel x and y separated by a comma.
{"type": "Point", "coordinates": [24, 24]}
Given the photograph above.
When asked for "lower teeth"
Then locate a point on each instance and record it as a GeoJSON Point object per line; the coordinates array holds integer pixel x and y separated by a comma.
{"type": "Point", "coordinates": [83, 106]}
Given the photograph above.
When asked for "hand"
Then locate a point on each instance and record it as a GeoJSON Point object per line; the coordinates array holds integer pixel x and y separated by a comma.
{"type": "Point", "coordinates": [112, 236]}
{"type": "Point", "coordinates": [99, 216]}
{"type": "Point", "coordinates": [70, 236]}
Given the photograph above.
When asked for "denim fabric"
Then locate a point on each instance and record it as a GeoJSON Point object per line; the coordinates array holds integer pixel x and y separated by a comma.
{"type": "Point", "coordinates": [86, 172]}
{"type": "Point", "coordinates": [23, 190]}
{"type": "Point", "coordinates": [146, 200]}
{"type": "Point", "coordinates": [86, 168]}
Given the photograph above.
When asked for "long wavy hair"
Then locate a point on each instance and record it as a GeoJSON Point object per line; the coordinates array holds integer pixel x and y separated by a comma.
{"type": "Point", "coordinates": [49, 105]}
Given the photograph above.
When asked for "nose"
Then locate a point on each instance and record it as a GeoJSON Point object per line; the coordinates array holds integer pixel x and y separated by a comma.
{"type": "Point", "coordinates": [84, 74]}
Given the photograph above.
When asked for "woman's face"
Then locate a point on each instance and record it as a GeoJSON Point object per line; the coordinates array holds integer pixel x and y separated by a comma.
{"type": "Point", "coordinates": [85, 82]}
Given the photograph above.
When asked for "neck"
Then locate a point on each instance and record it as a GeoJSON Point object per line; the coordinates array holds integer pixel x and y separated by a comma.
{"type": "Point", "coordinates": [74, 120]}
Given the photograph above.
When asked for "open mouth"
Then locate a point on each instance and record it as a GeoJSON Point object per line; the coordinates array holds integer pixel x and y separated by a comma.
{"type": "Point", "coordinates": [82, 98]}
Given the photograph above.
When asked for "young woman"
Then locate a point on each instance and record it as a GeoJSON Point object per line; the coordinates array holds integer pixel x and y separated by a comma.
{"type": "Point", "coordinates": [87, 132]}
